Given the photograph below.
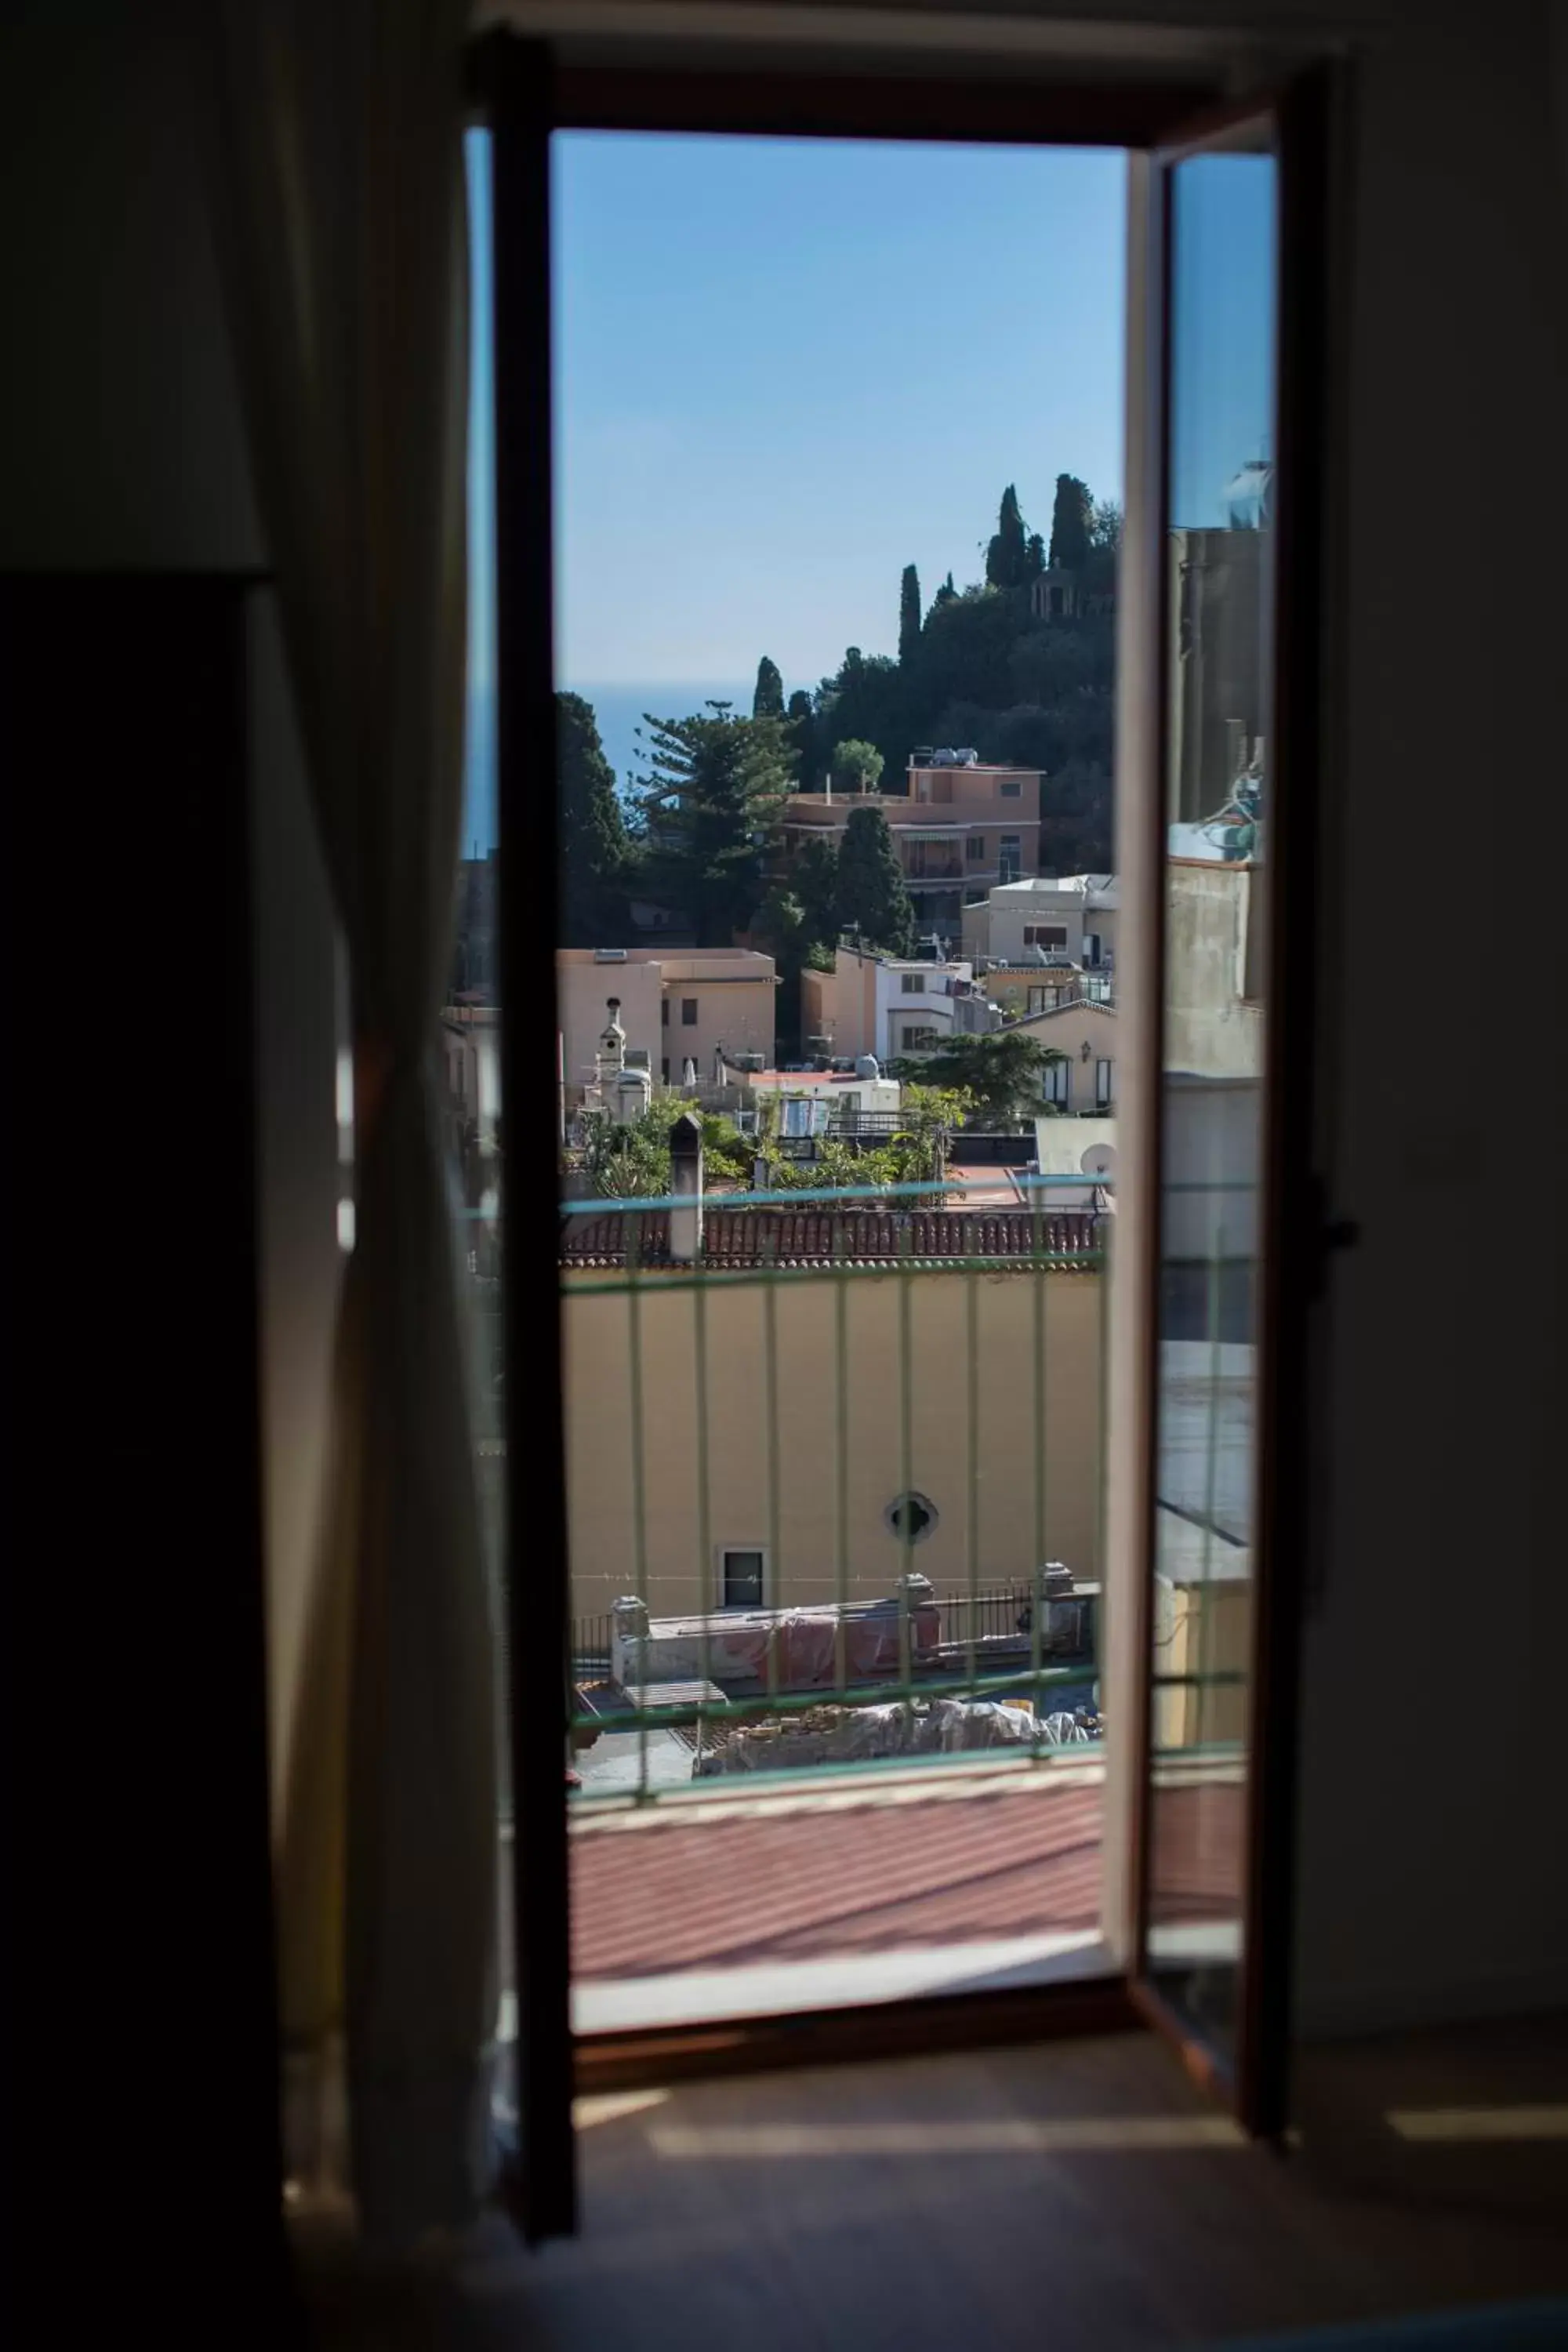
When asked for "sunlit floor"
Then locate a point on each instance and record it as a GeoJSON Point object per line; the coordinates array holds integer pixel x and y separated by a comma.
{"type": "Point", "coordinates": [1076, 2194]}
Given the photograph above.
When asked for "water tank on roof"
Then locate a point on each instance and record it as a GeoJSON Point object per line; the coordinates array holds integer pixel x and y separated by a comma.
{"type": "Point", "coordinates": [867, 1066]}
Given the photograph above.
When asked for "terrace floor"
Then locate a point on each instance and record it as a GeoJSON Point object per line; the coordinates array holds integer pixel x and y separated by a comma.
{"type": "Point", "coordinates": [852, 1888]}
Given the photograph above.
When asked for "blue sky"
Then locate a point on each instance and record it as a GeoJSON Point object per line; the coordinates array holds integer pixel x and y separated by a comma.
{"type": "Point", "coordinates": [786, 368]}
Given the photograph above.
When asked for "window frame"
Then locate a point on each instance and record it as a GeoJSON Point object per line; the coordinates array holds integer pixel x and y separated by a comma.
{"type": "Point", "coordinates": [1037, 96]}
{"type": "Point", "coordinates": [690, 1012]}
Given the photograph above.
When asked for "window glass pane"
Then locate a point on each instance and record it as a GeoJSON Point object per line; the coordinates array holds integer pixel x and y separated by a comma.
{"type": "Point", "coordinates": [1220, 551]}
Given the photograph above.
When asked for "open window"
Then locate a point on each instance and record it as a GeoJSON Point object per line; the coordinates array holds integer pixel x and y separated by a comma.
{"type": "Point", "coordinates": [1216, 748]}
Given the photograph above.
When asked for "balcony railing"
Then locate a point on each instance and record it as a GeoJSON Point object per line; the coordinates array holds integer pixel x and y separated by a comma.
{"type": "Point", "coordinates": [873, 1428]}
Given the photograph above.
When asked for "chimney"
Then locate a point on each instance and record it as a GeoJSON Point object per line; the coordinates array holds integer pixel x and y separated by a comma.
{"type": "Point", "coordinates": [686, 1185]}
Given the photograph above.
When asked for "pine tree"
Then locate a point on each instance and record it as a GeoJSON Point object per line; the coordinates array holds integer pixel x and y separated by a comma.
{"type": "Point", "coordinates": [1007, 556]}
{"type": "Point", "coordinates": [712, 806]}
{"type": "Point", "coordinates": [947, 594]}
{"type": "Point", "coordinates": [768, 700]}
{"type": "Point", "coordinates": [872, 899]}
{"type": "Point", "coordinates": [1071, 516]}
{"type": "Point", "coordinates": [594, 852]}
{"type": "Point", "coordinates": [909, 616]}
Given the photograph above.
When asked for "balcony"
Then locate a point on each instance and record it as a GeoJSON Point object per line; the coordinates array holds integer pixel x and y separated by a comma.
{"type": "Point", "coordinates": [873, 1428]}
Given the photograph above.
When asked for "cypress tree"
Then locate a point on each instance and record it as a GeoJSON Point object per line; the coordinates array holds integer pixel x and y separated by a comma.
{"type": "Point", "coordinates": [803, 741]}
{"type": "Point", "coordinates": [1071, 515]}
{"type": "Point", "coordinates": [1007, 556]}
{"type": "Point", "coordinates": [872, 899]}
{"type": "Point", "coordinates": [909, 616]}
{"type": "Point", "coordinates": [768, 700]}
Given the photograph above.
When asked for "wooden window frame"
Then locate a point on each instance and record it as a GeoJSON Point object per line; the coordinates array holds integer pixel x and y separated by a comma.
{"type": "Point", "coordinates": [525, 89]}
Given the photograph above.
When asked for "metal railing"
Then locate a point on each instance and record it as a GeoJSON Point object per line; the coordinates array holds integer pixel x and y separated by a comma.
{"type": "Point", "coordinates": [823, 1396]}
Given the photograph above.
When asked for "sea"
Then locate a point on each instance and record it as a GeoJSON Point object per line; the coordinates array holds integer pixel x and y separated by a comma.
{"type": "Point", "coordinates": [619, 710]}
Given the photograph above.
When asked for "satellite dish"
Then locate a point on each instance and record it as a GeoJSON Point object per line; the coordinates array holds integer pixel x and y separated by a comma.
{"type": "Point", "coordinates": [1099, 1160]}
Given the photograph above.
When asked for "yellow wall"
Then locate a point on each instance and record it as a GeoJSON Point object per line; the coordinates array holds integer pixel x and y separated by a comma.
{"type": "Point", "coordinates": [680, 1576]}
{"type": "Point", "coordinates": [1201, 1629]}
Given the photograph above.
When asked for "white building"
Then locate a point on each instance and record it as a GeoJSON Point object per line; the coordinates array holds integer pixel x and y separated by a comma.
{"type": "Point", "coordinates": [888, 1005]}
{"type": "Point", "coordinates": [1068, 920]}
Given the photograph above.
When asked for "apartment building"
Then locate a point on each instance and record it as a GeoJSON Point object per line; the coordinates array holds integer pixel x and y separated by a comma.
{"type": "Point", "coordinates": [961, 825]}
{"type": "Point", "coordinates": [677, 1006]}
{"type": "Point", "coordinates": [1068, 918]}
{"type": "Point", "coordinates": [885, 1005]}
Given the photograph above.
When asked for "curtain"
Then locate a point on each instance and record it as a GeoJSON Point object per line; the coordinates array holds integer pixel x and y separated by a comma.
{"type": "Point", "coordinates": [336, 163]}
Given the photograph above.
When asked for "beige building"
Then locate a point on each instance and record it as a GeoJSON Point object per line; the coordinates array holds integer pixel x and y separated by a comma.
{"type": "Point", "coordinates": [961, 826]}
{"type": "Point", "coordinates": [888, 1005]}
{"type": "Point", "coordinates": [677, 1006]}
{"type": "Point", "coordinates": [1084, 1034]}
{"type": "Point", "coordinates": [1071, 919]}
{"type": "Point", "coordinates": [1030, 1336]}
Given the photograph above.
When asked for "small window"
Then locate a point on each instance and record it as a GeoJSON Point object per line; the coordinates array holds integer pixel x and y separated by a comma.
{"type": "Point", "coordinates": [688, 1012]}
{"type": "Point", "coordinates": [974, 849]}
{"type": "Point", "coordinates": [741, 1579]}
{"type": "Point", "coordinates": [1044, 935]}
{"type": "Point", "coordinates": [912, 983]}
{"type": "Point", "coordinates": [918, 1038]}
{"type": "Point", "coordinates": [1091, 947]}
{"type": "Point", "coordinates": [664, 1011]}
{"type": "Point", "coordinates": [1103, 1088]}
{"type": "Point", "coordinates": [910, 1517]}
{"type": "Point", "coordinates": [1012, 789]}
{"type": "Point", "coordinates": [1010, 856]}
{"type": "Point", "coordinates": [1056, 1083]}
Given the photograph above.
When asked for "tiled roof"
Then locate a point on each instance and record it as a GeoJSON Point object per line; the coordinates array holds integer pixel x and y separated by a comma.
{"type": "Point", "coordinates": [820, 1236]}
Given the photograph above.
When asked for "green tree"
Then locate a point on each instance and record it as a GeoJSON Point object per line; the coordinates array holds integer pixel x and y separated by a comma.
{"type": "Point", "coordinates": [909, 616]}
{"type": "Point", "coordinates": [1071, 514]}
{"type": "Point", "coordinates": [1035, 552]}
{"type": "Point", "coordinates": [1007, 556]}
{"type": "Point", "coordinates": [802, 741]}
{"type": "Point", "coordinates": [872, 899]}
{"type": "Point", "coordinates": [857, 766]}
{"type": "Point", "coordinates": [595, 855]}
{"type": "Point", "coordinates": [712, 807]}
{"type": "Point", "coordinates": [814, 884]}
{"type": "Point", "coordinates": [946, 592]}
{"type": "Point", "coordinates": [768, 698]}
{"type": "Point", "coordinates": [1002, 1072]}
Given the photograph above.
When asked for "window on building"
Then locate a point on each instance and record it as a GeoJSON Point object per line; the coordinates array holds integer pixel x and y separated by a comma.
{"type": "Point", "coordinates": [1103, 1088]}
{"type": "Point", "coordinates": [974, 849]}
{"type": "Point", "coordinates": [1056, 1084]}
{"type": "Point", "coordinates": [912, 983]}
{"type": "Point", "coordinates": [664, 1067]}
{"type": "Point", "coordinates": [664, 1011]}
{"type": "Point", "coordinates": [1044, 935]}
{"type": "Point", "coordinates": [1091, 947]}
{"type": "Point", "coordinates": [741, 1577]}
{"type": "Point", "coordinates": [688, 1012]}
{"type": "Point", "coordinates": [974, 898]}
{"type": "Point", "coordinates": [1010, 859]}
{"type": "Point", "coordinates": [1041, 1000]}
{"type": "Point", "coordinates": [919, 1037]}
{"type": "Point", "coordinates": [1012, 789]}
